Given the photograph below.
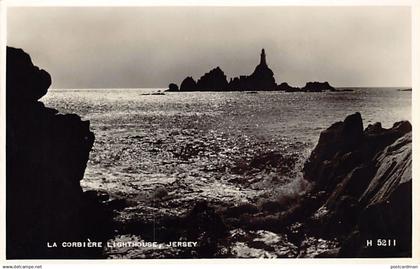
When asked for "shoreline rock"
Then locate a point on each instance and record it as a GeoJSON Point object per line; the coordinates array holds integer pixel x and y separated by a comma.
{"type": "Point", "coordinates": [46, 156]}
{"type": "Point", "coordinates": [362, 179]}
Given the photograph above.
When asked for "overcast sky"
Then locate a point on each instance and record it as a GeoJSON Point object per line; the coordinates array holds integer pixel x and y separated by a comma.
{"type": "Point", "coordinates": [138, 47]}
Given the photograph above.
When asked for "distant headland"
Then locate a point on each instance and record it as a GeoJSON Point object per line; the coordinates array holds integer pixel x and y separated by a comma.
{"type": "Point", "coordinates": [262, 79]}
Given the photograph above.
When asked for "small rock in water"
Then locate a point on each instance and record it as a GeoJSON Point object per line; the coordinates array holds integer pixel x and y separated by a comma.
{"type": "Point", "coordinates": [160, 192]}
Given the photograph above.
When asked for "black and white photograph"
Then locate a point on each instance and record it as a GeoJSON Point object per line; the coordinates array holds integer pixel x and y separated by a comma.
{"type": "Point", "coordinates": [208, 131]}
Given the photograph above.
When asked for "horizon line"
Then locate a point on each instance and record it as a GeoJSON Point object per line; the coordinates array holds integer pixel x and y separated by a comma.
{"type": "Point", "coordinates": [139, 88]}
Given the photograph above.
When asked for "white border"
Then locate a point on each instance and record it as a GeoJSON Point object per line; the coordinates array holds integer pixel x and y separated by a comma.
{"type": "Point", "coordinates": [3, 32]}
{"type": "Point", "coordinates": [205, 263]}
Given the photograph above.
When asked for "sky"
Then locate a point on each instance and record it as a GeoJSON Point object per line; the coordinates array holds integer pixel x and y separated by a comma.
{"type": "Point", "coordinates": [142, 47]}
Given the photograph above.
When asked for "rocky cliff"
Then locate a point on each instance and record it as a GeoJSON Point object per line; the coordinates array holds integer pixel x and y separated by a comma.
{"type": "Point", "coordinates": [363, 186]}
{"type": "Point", "coordinates": [46, 156]}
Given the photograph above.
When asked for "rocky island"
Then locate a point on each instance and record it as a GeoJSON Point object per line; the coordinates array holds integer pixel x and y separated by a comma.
{"type": "Point", "coordinates": [262, 79]}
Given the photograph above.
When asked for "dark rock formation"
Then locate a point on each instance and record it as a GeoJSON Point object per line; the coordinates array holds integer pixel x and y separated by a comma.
{"type": "Point", "coordinates": [309, 87]}
{"type": "Point", "coordinates": [188, 84]}
{"type": "Point", "coordinates": [364, 177]}
{"type": "Point", "coordinates": [172, 88]}
{"type": "Point", "coordinates": [238, 84]}
{"type": "Point", "coordinates": [22, 75]}
{"type": "Point", "coordinates": [214, 80]}
{"type": "Point", "coordinates": [46, 156]}
{"type": "Point", "coordinates": [262, 79]}
{"type": "Point", "coordinates": [206, 226]}
{"type": "Point", "coordinates": [317, 87]}
{"type": "Point", "coordinates": [287, 88]}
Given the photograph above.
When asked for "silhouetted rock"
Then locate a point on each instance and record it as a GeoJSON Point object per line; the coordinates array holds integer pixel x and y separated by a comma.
{"type": "Point", "coordinates": [214, 80]}
{"type": "Point", "coordinates": [188, 84]}
{"type": "Point", "coordinates": [23, 75]}
{"type": "Point", "coordinates": [173, 88]}
{"type": "Point", "coordinates": [287, 88]}
{"type": "Point", "coordinates": [365, 176]}
{"type": "Point", "coordinates": [46, 156]}
{"type": "Point", "coordinates": [317, 87]}
{"type": "Point", "coordinates": [262, 79]}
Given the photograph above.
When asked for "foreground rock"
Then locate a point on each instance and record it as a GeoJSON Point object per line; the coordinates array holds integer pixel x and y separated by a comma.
{"type": "Point", "coordinates": [362, 184]}
{"type": "Point", "coordinates": [46, 156]}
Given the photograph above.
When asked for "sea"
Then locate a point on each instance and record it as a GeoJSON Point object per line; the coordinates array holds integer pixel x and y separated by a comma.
{"type": "Point", "coordinates": [226, 148]}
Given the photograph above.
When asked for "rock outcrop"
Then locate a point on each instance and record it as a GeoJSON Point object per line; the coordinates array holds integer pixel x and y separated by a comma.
{"type": "Point", "coordinates": [262, 79]}
{"type": "Point", "coordinates": [214, 80]}
{"type": "Point", "coordinates": [46, 156]}
{"type": "Point", "coordinates": [362, 178]}
{"type": "Point", "coordinates": [284, 86]}
{"type": "Point", "coordinates": [317, 87]}
{"type": "Point", "coordinates": [172, 88]}
{"type": "Point", "coordinates": [188, 84]}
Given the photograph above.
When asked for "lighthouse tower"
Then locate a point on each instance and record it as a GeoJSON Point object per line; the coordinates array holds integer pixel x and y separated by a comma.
{"type": "Point", "coordinates": [262, 60]}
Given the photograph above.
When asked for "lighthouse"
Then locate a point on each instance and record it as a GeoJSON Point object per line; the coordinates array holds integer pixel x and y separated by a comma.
{"type": "Point", "coordinates": [262, 60]}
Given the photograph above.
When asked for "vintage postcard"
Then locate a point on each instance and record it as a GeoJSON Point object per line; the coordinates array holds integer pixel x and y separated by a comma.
{"type": "Point", "coordinates": [218, 131]}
